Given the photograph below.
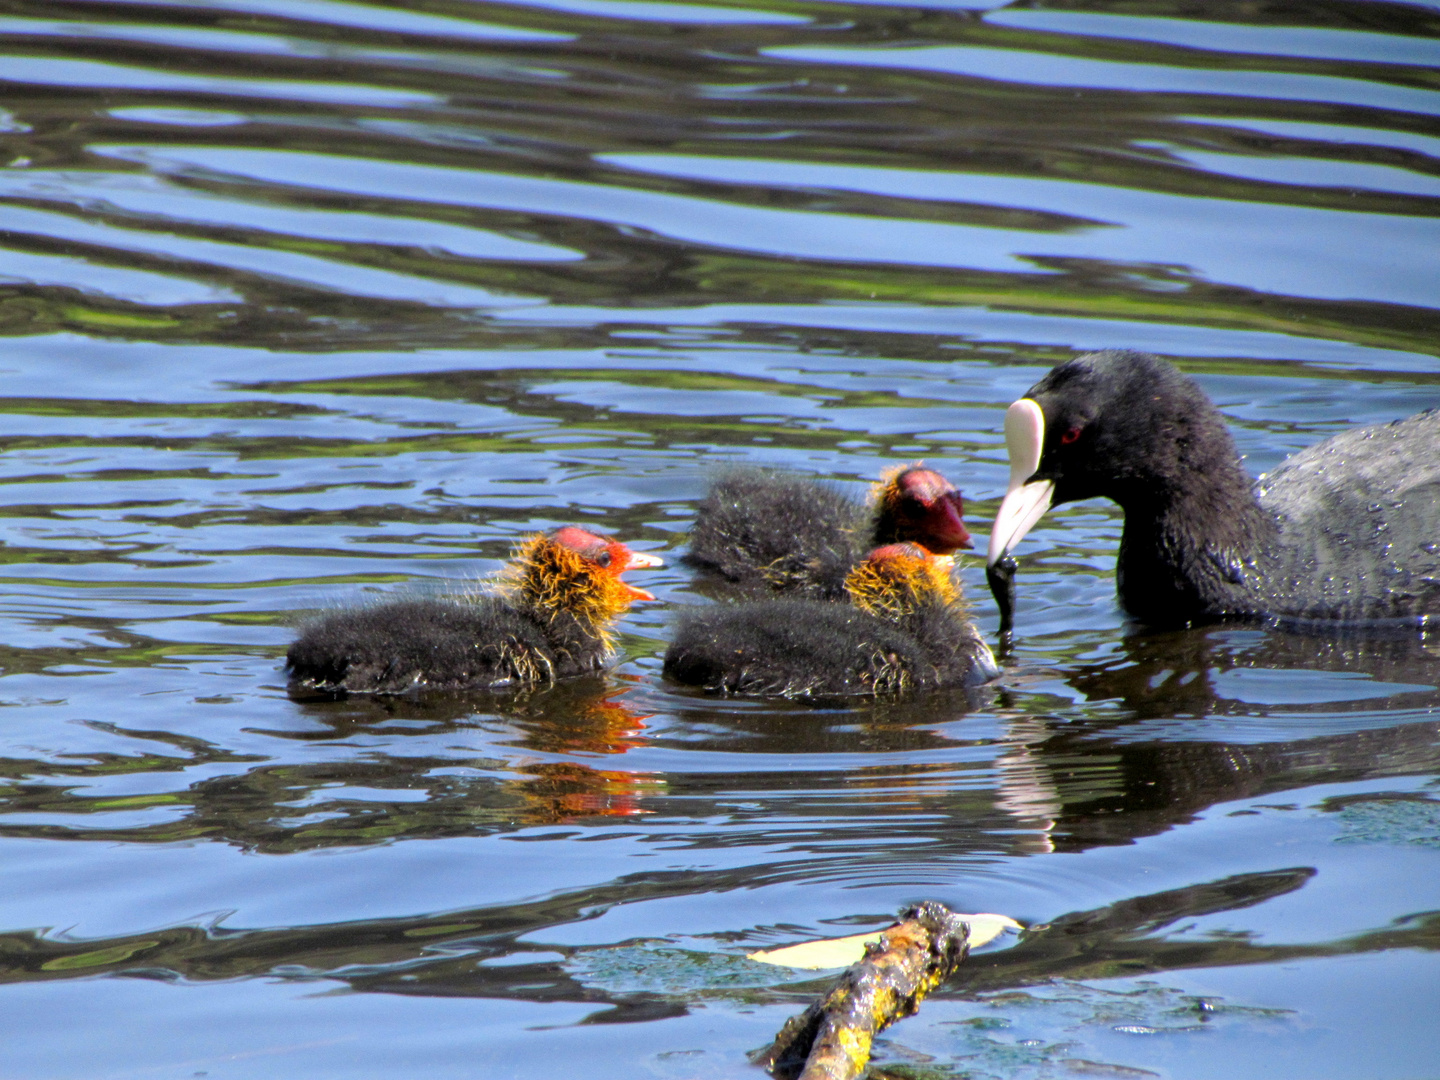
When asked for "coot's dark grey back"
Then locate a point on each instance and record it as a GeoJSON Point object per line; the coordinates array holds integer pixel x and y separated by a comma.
{"type": "Point", "coordinates": [1360, 524]}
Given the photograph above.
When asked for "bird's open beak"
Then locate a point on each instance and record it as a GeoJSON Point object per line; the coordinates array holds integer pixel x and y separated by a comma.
{"type": "Point", "coordinates": [640, 561]}
{"type": "Point", "coordinates": [1026, 500]}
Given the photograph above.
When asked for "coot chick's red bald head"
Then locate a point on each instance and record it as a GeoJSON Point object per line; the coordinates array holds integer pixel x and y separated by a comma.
{"type": "Point", "coordinates": [770, 531]}
{"type": "Point", "coordinates": [919, 506]}
{"type": "Point", "coordinates": [1344, 532]}
{"type": "Point", "coordinates": [905, 628]}
{"type": "Point", "coordinates": [549, 618]}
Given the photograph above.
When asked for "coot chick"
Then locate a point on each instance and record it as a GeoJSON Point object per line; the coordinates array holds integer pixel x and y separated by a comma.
{"type": "Point", "coordinates": [905, 628]}
{"type": "Point", "coordinates": [548, 618]}
{"type": "Point", "coordinates": [1345, 531]}
{"type": "Point", "coordinates": [797, 536]}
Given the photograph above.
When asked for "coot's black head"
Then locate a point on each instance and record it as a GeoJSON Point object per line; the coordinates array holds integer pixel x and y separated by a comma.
{"type": "Point", "coordinates": [1123, 425]}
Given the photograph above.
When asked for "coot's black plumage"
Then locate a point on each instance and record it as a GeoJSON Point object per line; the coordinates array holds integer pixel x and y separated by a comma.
{"type": "Point", "coordinates": [549, 618]}
{"type": "Point", "coordinates": [797, 536]}
{"type": "Point", "coordinates": [1345, 531]}
{"type": "Point", "coordinates": [905, 628]}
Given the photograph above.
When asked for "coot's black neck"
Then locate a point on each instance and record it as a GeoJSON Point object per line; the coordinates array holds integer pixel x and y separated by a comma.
{"type": "Point", "coordinates": [1195, 539]}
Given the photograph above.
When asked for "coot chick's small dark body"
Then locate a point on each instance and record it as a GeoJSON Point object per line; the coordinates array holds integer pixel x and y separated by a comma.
{"type": "Point", "coordinates": [1347, 531]}
{"type": "Point", "coordinates": [905, 628]}
{"type": "Point", "coordinates": [548, 618]}
{"type": "Point", "coordinates": [797, 536]}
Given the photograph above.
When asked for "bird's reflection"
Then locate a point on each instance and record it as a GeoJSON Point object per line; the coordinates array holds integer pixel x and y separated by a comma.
{"type": "Point", "coordinates": [1025, 787]}
{"type": "Point", "coordinates": [1164, 746]}
{"type": "Point", "coordinates": [563, 792]}
{"type": "Point", "coordinates": [1171, 724]}
{"type": "Point", "coordinates": [1215, 671]}
{"type": "Point", "coordinates": [587, 716]}
{"type": "Point", "coordinates": [592, 718]}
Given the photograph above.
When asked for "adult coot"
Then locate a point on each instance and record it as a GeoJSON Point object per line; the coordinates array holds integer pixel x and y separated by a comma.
{"type": "Point", "coordinates": [905, 628]}
{"type": "Point", "coordinates": [549, 617]}
{"type": "Point", "coordinates": [797, 536]}
{"type": "Point", "coordinates": [1347, 530]}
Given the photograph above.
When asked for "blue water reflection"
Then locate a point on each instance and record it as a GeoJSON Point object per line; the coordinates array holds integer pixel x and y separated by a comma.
{"type": "Point", "coordinates": [1055, 69]}
{"type": "Point", "coordinates": [309, 305]}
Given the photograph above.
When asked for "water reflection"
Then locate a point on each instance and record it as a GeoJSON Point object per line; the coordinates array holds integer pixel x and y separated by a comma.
{"type": "Point", "coordinates": [1237, 672]}
{"type": "Point", "coordinates": [310, 305]}
{"type": "Point", "coordinates": [455, 953]}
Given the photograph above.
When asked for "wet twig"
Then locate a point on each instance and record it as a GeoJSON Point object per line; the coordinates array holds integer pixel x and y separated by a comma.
{"type": "Point", "coordinates": [831, 1039]}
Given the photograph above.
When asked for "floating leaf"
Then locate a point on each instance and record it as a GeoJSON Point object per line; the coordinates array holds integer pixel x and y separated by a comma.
{"type": "Point", "coordinates": [844, 951]}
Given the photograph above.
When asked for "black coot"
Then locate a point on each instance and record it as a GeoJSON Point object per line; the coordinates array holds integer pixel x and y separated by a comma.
{"type": "Point", "coordinates": [905, 628]}
{"type": "Point", "coordinates": [549, 618]}
{"type": "Point", "coordinates": [1346, 530]}
{"type": "Point", "coordinates": [796, 536]}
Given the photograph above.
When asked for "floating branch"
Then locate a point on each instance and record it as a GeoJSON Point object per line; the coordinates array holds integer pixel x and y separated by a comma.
{"type": "Point", "coordinates": [831, 1039]}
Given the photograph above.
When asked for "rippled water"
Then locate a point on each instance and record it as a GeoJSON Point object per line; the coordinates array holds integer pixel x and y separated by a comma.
{"type": "Point", "coordinates": [310, 301]}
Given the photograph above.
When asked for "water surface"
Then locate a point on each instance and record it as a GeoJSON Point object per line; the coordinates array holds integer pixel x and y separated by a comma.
{"type": "Point", "coordinates": [310, 303]}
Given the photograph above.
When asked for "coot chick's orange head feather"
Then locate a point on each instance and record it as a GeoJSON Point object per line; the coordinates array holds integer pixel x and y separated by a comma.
{"type": "Point", "coordinates": [576, 573]}
{"type": "Point", "coordinates": [919, 505]}
{"type": "Point", "coordinates": [896, 580]}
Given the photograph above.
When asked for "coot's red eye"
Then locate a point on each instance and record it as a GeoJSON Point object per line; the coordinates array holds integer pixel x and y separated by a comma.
{"type": "Point", "coordinates": [1070, 436]}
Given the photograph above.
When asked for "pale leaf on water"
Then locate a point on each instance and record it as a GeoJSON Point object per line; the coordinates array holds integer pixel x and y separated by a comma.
{"type": "Point", "coordinates": [844, 951]}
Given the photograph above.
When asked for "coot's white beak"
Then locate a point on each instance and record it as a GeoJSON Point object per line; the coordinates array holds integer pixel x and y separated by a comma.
{"type": "Point", "coordinates": [1024, 503]}
{"type": "Point", "coordinates": [639, 561]}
